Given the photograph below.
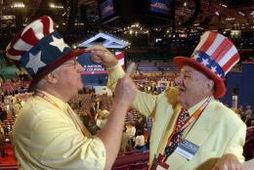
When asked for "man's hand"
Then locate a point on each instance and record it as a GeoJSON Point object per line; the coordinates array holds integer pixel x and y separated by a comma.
{"type": "Point", "coordinates": [126, 89]}
{"type": "Point", "coordinates": [228, 162]}
{"type": "Point", "coordinates": [102, 55]}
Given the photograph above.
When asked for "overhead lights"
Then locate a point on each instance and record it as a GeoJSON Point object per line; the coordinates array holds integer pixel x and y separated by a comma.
{"type": "Point", "coordinates": [235, 33]}
{"type": "Point", "coordinates": [183, 35]}
{"type": "Point", "coordinates": [223, 5]}
{"type": "Point", "coordinates": [230, 19]}
{"type": "Point", "coordinates": [217, 13]}
{"type": "Point", "coordinates": [158, 40]}
{"type": "Point", "coordinates": [200, 28]}
{"type": "Point", "coordinates": [8, 17]}
{"type": "Point", "coordinates": [74, 46]}
{"type": "Point", "coordinates": [135, 29]}
{"type": "Point", "coordinates": [18, 5]}
{"type": "Point", "coordinates": [56, 6]}
{"type": "Point", "coordinates": [241, 13]}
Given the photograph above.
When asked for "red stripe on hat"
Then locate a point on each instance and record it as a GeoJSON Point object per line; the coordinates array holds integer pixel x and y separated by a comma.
{"type": "Point", "coordinates": [15, 39]}
{"type": "Point", "coordinates": [11, 51]}
{"type": "Point", "coordinates": [46, 25]}
{"type": "Point", "coordinates": [230, 62]}
{"type": "Point", "coordinates": [222, 49]}
{"type": "Point", "coordinates": [14, 52]}
{"type": "Point", "coordinates": [210, 39]}
{"type": "Point", "coordinates": [29, 37]}
{"type": "Point", "coordinates": [119, 55]}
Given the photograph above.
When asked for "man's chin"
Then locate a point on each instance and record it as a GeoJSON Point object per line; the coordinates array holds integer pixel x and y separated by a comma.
{"type": "Point", "coordinates": [80, 88]}
{"type": "Point", "coordinates": [180, 98]}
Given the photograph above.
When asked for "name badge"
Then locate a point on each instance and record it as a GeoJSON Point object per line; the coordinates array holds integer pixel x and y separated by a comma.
{"type": "Point", "coordinates": [187, 149]}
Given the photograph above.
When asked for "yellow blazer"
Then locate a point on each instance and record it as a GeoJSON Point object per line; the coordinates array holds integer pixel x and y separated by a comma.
{"type": "Point", "coordinates": [217, 131]}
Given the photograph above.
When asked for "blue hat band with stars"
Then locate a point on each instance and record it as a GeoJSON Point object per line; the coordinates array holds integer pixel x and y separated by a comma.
{"type": "Point", "coordinates": [46, 51]}
{"type": "Point", "coordinates": [205, 60]}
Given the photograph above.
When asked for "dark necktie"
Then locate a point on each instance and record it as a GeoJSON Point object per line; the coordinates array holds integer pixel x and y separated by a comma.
{"type": "Point", "coordinates": [176, 138]}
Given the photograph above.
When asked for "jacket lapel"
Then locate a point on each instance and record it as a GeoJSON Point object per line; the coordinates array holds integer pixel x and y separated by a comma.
{"type": "Point", "coordinates": [196, 133]}
{"type": "Point", "coordinates": [168, 130]}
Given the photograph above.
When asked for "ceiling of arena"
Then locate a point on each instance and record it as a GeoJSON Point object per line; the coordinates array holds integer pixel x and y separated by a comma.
{"type": "Point", "coordinates": [219, 13]}
{"type": "Point", "coordinates": [80, 19]}
{"type": "Point", "coordinates": [75, 16]}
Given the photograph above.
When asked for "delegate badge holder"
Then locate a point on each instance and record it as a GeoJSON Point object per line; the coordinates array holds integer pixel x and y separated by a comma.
{"type": "Point", "coordinates": [187, 149]}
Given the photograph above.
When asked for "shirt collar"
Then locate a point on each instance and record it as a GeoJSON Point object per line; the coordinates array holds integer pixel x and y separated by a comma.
{"type": "Point", "coordinates": [60, 103]}
{"type": "Point", "coordinates": [192, 109]}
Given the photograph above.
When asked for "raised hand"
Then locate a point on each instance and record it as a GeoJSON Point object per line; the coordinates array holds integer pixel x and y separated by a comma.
{"type": "Point", "coordinates": [102, 55]}
{"type": "Point", "coordinates": [126, 90]}
{"type": "Point", "coordinates": [228, 162]}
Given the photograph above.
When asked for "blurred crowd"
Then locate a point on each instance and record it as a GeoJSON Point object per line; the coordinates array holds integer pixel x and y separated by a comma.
{"type": "Point", "coordinates": [93, 109]}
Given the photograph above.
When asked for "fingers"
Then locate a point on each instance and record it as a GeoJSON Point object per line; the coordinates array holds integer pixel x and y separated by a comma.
{"type": "Point", "coordinates": [96, 48]}
{"type": "Point", "coordinates": [97, 51]}
{"type": "Point", "coordinates": [102, 55]}
{"type": "Point", "coordinates": [96, 59]}
{"type": "Point", "coordinates": [130, 69]}
{"type": "Point", "coordinates": [228, 162]}
{"type": "Point", "coordinates": [225, 167]}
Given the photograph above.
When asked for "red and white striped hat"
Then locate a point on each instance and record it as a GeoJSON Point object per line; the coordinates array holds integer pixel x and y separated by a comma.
{"type": "Point", "coordinates": [40, 49]}
{"type": "Point", "coordinates": [120, 57]}
{"type": "Point", "coordinates": [215, 55]}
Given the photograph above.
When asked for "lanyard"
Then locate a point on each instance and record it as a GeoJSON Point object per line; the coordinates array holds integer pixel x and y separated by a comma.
{"type": "Point", "coordinates": [69, 111]}
{"type": "Point", "coordinates": [194, 117]}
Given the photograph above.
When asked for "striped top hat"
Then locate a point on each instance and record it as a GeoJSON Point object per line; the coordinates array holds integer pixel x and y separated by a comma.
{"type": "Point", "coordinates": [215, 55]}
{"type": "Point", "coordinates": [40, 49]}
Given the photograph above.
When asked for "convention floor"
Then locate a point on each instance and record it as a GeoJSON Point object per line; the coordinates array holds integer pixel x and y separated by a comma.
{"type": "Point", "coordinates": [8, 162]}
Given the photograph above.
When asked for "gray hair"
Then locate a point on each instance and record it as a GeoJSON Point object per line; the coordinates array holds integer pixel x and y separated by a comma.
{"type": "Point", "coordinates": [42, 82]}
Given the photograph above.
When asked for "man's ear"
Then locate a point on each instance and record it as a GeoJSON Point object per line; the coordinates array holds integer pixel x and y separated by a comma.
{"type": "Point", "coordinates": [51, 78]}
{"type": "Point", "coordinates": [210, 85]}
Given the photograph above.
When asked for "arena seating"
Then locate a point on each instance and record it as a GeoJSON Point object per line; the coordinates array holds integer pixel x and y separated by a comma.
{"type": "Point", "coordinates": [248, 150]}
{"type": "Point", "coordinates": [131, 161]}
{"type": "Point", "coordinates": [8, 161]}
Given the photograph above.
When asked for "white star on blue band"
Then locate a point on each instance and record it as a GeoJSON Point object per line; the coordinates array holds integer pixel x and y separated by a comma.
{"type": "Point", "coordinates": [35, 62]}
{"type": "Point", "coordinates": [59, 43]}
{"type": "Point", "coordinates": [208, 62]}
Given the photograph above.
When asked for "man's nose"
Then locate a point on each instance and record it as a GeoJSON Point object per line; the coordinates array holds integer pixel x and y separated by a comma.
{"type": "Point", "coordinates": [179, 81]}
{"type": "Point", "coordinates": [79, 67]}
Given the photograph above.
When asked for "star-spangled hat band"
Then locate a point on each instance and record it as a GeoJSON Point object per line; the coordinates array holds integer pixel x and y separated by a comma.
{"type": "Point", "coordinates": [215, 55]}
{"type": "Point", "coordinates": [40, 49]}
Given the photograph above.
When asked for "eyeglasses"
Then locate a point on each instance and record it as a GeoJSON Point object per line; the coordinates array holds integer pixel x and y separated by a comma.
{"type": "Point", "coordinates": [72, 62]}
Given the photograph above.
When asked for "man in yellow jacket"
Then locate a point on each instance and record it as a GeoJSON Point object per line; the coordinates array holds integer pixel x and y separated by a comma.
{"type": "Point", "coordinates": [47, 133]}
{"type": "Point", "coordinates": [210, 130]}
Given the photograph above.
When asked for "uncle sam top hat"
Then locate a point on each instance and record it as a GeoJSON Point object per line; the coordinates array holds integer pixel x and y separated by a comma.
{"type": "Point", "coordinates": [215, 55]}
{"type": "Point", "coordinates": [40, 49]}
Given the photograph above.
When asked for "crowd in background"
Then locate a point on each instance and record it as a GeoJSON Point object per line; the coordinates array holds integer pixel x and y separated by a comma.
{"type": "Point", "coordinates": [94, 108]}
